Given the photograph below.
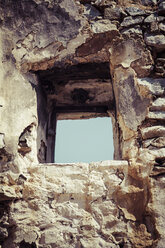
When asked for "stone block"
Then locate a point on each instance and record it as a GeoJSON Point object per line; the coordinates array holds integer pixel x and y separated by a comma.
{"type": "Point", "coordinates": [91, 12]}
{"type": "Point", "coordinates": [134, 30]}
{"type": "Point", "coordinates": [131, 21]}
{"type": "Point", "coordinates": [153, 132]}
{"type": "Point", "coordinates": [154, 18]}
{"type": "Point", "coordinates": [134, 11]}
{"type": "Point", "coordinates": [154, 86]}
{"type": "Point", "coordinates": [156, 41]}
{"type": "Point", "coordinates": [156, 115]}
{"type": "Point", "coordinates": [112, 13]}
{"type": "Point", "coordinates": [158, 104]}
{"type": "Point", "coordinates": [102, 26]}
{"type": "Point", "coordinates": [162, 26]}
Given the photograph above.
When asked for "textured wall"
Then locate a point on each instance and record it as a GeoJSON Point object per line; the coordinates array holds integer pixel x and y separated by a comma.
{"type": "Point", "coordinates": [50, 49]}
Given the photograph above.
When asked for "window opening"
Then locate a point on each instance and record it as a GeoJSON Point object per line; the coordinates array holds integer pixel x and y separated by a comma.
{"type": "Point", "coordinates": [84, 140]}
{"type": "Point", "coordinates": [76, 91]}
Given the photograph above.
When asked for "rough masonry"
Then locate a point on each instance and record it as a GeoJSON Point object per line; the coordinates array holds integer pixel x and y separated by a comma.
{"type": "Point", "coordinates": [70, 59]}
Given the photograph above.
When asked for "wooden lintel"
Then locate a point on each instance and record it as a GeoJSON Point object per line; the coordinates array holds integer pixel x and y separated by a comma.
{"type": "Point", "coordinates": [76, 109]}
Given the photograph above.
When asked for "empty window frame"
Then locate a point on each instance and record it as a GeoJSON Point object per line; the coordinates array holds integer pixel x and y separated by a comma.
{"type": "Point", "coordinates": [84, 140]}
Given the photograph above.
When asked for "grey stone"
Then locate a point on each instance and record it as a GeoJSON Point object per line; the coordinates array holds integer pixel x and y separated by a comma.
{"type": "Point", "coordinates": [157, 41]}
{"type": "Point", "coordinates": [156, 115]}
{"type": "Point", "coordinates": [162, 27]}
{"type": "Point", "coordinates": [154, 27]}
{"type": "Point", "coordinates": [155, 86]}
{"type": "Point", "coordinates": [133, 11]}
{"type": "Point", "coordinates": [160, 18]}
{"type": "Point", "coordinates": [62, 16]}
{"type": "Point", "coordinates": [153, 132]}
{"type": "Point", "coordinates": [154, 18]}
{"type": "Point", "coordinates": [102, 26]}
{"type": "Point", "coordinates": [4, 218]}
{"type": "Point", "coordinates": [91, 12]}
{"type": "Point", "coordinates": [149, 2]}
{"type": "Point", "coordinates": [104, 3]}
{"type": "Point", "coordinates": [133, 30]}
{"type": "Point", "coordinates": [161, 8]}
{"type": "Point", "coordinates": [112, 13]}
{"type": "Point", "coordinates": [129, 99]}
{"type": "Point", "coordinates": [129, 21]}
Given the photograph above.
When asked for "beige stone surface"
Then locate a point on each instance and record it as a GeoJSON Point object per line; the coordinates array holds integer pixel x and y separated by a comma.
{"type": "Point", "coordinates": [65, 204]}
{"type": "Point", "coordinates": [18, 108]}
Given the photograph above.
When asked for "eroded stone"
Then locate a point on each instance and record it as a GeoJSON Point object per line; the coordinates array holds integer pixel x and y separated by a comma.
{"type": "Point", "coordinates": [134, 11]}
{"type": "Point", "coordinates": [157, 41]}
{"type": "Point", "coordinates": [153, 132]}
{"type": "Point", "coordinates": [102, 26]}
{"type": "Point", "coordinates": [129, 21]}
{"type": "Point", "coordinates": [154, 18]}
{"type": "Point", "coordinates": [154, 86]}
{"type": "Point", "coordinates": [158, 104]}
{"type": "Point", "coordinates": [90, 11]}
{"type": "Point", "coordinates": [113, 13]}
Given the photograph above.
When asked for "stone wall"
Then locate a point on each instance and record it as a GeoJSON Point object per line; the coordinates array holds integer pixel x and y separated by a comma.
{"type": "Point", "coordinates": [93, 58]}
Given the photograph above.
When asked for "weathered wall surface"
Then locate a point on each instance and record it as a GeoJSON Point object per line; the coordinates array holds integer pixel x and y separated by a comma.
{"type": "Point", "coordinates": [104, 204]}
{"type": "Point", "coordinates": [18, 111]}
{"type": "Point", "coordinates": [81, 205]}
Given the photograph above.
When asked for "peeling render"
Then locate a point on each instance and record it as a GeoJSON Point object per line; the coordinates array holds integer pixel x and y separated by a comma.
{"type": "Point", "coordinates": [69, 59]}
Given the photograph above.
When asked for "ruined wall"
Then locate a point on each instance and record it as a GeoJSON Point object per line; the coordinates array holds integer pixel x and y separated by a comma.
{"type": "Point", "coordinates": [55, 54]}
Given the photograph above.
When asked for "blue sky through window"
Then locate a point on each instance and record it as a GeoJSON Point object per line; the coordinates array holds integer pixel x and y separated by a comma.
{"type": "Point", "coordinates": [84, 140]}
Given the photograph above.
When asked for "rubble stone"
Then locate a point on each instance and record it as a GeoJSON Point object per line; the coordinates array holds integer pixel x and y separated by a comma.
{"type": "Point", "coordinates": [134, 11]}
{"type": "Point", "coordinates": [90, 11]}
{"type": "Point", "coordinates": [157, 115]}
{"type": "Point", "coordinates": [135, 30]}
{"type": "Point", "coordinates": [161, 8]}
{"type": "Point", "coordinates": [162, 27]}
{"type": "Point", "coordinates": [154, 86]}
{"type": "Point", "coordinates": [129, 21]}
{"type": "Point", "coordinates": [153, 132]}
{"type": "Point", "coordinates": [154, 18]}
{"type": "Point", "coordinates": [112, 13]}
{"type": "Point", "coordinates": [102, 26]}
{"type": "Point", "coordinates": [149, 2]}
{"type": "Point", "coordinates": [158, 104]}
{"type": "Point", "coordinates": [157, 41]}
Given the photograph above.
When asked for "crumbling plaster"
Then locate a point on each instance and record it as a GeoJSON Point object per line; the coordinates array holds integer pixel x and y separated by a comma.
{"type": "Point", "coordinates": [55, 54]}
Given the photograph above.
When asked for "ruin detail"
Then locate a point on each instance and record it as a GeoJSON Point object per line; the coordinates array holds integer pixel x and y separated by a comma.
{"type": "Point", "coordinates": [70, 59]}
